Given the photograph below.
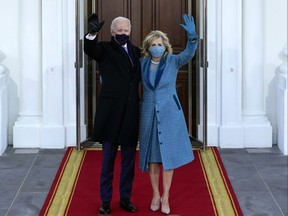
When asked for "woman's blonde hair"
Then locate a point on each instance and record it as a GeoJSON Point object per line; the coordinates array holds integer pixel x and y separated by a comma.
{"type": "Point", "coordinates": [152, 36]}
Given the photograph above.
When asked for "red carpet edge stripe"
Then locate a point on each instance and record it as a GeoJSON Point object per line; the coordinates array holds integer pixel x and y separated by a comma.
{"type": "Point", "coordinates": [56, 181]}
{"type": "Point", "coordinates": [219, 164]}
{"type": "Point", "coordinates": [75, 183]}
{"type": "Point", "coordinates": [228, 185]}
{"type": "Point", "coordinates": [207, 182]}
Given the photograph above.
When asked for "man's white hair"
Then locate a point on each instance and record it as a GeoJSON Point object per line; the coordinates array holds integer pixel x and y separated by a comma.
{"type": "Point", "coordinates": [117, 19]}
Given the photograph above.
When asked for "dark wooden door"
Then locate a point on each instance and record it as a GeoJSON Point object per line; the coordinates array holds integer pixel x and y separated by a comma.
{"type": "Point", "coordinates": [147, 15]}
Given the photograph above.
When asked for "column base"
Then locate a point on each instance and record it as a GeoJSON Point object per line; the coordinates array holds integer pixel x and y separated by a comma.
{"type": "Point", "coordinates": [212, 134]}
{"type": "Point", "coordinates": [257, 136]}
{"type": "Point", "coordinates": [246, 136]}
{"type": "Point", "coordinates": [71, 134]}
{"type": "Point", "coordinates": [37, 136]}
{"type": "Point", "coordinates": [231, 136]}
{"type": "Point", "coordinates": [26, 136]}
{"type": "Point", "coordinates": [53, 137]}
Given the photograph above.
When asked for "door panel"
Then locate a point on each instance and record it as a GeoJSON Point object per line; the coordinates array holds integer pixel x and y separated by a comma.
{"type": "Point", "coordinates": [165, 15]}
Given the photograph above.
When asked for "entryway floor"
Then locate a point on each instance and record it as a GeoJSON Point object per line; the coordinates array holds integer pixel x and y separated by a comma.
{"type": "Point", "coordinates": [258, 176]}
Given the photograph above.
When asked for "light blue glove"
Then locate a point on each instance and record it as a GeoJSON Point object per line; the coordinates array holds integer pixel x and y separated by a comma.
{"type": "Point", "coordinates": [189, 26]}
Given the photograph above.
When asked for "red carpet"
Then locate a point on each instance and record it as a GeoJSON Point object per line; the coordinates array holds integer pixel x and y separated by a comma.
{"type": "Point", "coordinates": [200, 188]}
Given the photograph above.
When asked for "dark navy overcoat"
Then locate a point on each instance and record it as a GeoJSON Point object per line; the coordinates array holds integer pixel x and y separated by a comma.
{"type": "Point", "coordinates": [117, 111]}
{"type": "Point", "coordinates": [161, 98]}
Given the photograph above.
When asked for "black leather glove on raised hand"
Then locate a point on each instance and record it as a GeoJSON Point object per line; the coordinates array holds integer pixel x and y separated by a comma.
{"type": "Point", "coordinates": [94, 24]}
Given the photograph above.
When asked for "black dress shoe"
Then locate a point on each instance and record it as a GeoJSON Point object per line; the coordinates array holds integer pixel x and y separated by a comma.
{"type": "Point", "coordinates": [127, 205]}
{"type": "Point", "coordinates": [104, 209]}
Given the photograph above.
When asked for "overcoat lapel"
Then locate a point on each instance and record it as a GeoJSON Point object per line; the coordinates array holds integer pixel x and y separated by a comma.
{"type": "Point", "coordinates": [159, 72]}
{"type": "Point", "coordinates": [125, 55]}
{"type": "Point", "coordinates": [146, 71]}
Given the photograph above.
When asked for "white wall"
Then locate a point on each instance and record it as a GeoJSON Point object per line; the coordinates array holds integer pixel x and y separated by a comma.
{"type": "Point", "coordinates": [282, 103]}
{"type": "Point", "coordinates": [9, 57]}
{"type": "Point", "coordinates": [275, 15]}
{"type": "Point", "coordinates": [224, 98]}
{"type": "Point", "coordinates": [275, 41]}
{"type": "Point", "coordinates": [59, 126]}
{"type": "Point", "coordinates": [3, 110]}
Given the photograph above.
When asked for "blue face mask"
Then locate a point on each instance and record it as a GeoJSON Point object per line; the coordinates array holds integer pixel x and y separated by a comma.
{"type": "Point", "coordinates": [157, 51]}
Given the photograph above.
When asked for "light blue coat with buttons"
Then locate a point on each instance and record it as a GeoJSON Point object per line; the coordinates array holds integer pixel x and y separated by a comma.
{"type": "Point", "coordinates": [161, 98]}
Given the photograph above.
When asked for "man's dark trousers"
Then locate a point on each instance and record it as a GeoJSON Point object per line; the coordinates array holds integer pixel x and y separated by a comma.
{"type": "Point", "coordinates": [109, 153]}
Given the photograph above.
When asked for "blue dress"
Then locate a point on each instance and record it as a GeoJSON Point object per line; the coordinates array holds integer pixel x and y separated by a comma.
{"type": "Point", "coordinates": [154, 155]}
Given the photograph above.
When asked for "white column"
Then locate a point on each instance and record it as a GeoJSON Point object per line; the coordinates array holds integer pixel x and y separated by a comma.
{"type": "Point", "coordinates": [69, 84]}
{"type": "Point", "coordinates": [53, 130]}
{"type": "Point", "coordinates": [257, 128]}
{"type": "Point", "coordinates": [213, 76]}
{"type": "Point", "coordinates": [69, 72]}
{"type": "Point", "coordinates": [27, 129]}
{"type": "Point", "coordinates": [231, 131]}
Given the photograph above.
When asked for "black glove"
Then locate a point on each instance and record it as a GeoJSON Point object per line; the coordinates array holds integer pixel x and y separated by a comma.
{"type": "Point", "coordinates": [94, 25]}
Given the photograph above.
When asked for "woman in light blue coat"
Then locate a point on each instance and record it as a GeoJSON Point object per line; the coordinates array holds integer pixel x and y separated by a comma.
{"type": "Point", "coordinates": [163, 138]}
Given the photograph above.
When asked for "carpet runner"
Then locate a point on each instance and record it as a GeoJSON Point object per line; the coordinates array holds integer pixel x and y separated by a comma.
{"type": "Point", "coordinates": [200, 188]}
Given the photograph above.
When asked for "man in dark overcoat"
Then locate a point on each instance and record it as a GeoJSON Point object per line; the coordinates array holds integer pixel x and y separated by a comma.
{"type": "Point", "coordinates": [117, 112]}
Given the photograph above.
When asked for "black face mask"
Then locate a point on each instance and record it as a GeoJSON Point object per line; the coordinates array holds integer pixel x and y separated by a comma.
{"type": "Point", "coordinates": [122, 39]}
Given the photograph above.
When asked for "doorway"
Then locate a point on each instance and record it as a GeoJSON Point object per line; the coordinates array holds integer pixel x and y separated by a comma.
{"type": "Point", "coordinates": [165, 15]}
